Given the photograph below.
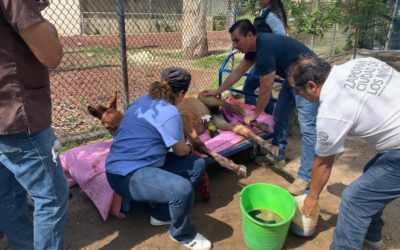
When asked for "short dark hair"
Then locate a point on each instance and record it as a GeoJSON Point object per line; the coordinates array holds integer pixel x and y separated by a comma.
{"type": "Point", "coordinates": [307, 67]}
{"type": "Point", "coordinates": [244, 27]}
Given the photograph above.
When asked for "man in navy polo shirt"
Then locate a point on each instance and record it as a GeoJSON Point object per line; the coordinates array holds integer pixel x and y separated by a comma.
{"type": "Point", "coordinates": [272, 54]}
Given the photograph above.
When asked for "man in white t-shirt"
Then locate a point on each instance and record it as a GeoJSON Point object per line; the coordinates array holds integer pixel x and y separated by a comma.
{"type": "Point", "coordinates": [360, 99]}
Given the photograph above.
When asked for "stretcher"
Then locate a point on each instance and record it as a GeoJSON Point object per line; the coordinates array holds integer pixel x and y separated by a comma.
{"type": "Point", "coordinates": [248, 147]}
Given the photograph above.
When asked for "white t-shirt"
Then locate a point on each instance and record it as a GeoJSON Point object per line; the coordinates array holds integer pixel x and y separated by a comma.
{"type": "Point", "coordinates": [360, 98]}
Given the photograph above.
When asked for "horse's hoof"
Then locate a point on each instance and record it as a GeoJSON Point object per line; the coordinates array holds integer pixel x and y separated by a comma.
{"type": "Point", "coordinates": [276, 151]}
{"type": "Point", "coordinates": [242, 171]}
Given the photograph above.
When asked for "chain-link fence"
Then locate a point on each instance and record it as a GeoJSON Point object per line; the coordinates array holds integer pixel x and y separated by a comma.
{"type": "Point", "coordinates": [125, 45]}
{"type": "Point", "coordinates": [95, 46]}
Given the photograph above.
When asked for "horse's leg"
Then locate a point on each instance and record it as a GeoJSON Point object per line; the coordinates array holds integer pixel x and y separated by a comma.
{"type": "Point", "coordinates": [200, 147]}
{"type": "Point", "coordinates": [219, 121]}
{"type": "Point", "coordinates": [212, 101]}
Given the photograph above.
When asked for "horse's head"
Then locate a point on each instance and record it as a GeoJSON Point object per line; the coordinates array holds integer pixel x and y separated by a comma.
{"type": "Point", "coordinates": [109, 116]}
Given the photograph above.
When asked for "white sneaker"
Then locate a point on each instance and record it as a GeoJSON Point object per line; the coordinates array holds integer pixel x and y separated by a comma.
{"type": "Point", "coordinates": [156, 222]}
{"type": "Point", "coordinates": [198, 243]}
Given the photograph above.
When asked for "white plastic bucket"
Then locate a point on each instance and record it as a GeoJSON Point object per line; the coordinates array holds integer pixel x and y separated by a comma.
{"type": "Point", "coordinates": [301, 225]}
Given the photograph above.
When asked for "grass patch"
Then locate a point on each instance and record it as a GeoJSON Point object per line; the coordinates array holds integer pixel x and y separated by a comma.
{"type": "Point", "coordinates": [73, 144]}
{"type": "Point", "coordinates": [100, 51]}
{"type": "Point", "coordinates": [67, 146]}
{"type": "Point", "coordinates": [214, 85]}
{"type": "Point", "coordinates": [213, 62]}
{"type": "Point", "coordinates": [247, 16]}
{"type": "Point", "coordinates": [209, 62]}
{"type": "Point", "coordinates": [168, 54]}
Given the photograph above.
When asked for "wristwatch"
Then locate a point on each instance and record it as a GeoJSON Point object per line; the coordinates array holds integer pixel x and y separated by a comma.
{"type": "Point", "coordinates": [191, 148]}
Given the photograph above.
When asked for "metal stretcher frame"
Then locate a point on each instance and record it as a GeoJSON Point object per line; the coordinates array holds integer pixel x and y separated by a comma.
{"type": "Point", "coordinates": [249, 143]}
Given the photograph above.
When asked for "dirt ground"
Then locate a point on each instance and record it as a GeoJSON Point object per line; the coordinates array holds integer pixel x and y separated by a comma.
{"type": "Point", "coordinates": [220, 219]}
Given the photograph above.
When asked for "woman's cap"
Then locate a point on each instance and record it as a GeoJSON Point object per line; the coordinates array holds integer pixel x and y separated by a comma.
{"type": "Point", "coordinates": [178, 78]}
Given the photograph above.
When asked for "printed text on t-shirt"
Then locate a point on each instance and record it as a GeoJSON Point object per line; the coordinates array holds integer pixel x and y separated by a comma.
{"type": "Point", "coordinates": [370, 76]}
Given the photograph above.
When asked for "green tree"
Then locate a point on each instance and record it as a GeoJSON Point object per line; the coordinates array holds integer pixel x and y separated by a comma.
{"type": "Point", "coordinates": [366, 19]}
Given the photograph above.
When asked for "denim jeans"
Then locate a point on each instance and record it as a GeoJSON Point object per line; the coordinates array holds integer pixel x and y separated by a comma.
{"type": "Point", "coordinates": [250, 85]}
{"type": "Point", "coordinates": [27, 165]}
{"type": "Point", "coordinates": [364, 200]}
{"type": "Point", "coordinates": [171, 187]}
{"type": "Point", "coordinates": [287, 101]}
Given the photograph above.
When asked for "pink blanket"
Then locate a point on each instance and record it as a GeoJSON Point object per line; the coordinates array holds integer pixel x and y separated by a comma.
{"type": "Point", "coordinates": [227, 139]}
{"type": "Point", "coordinates": [85, 165]}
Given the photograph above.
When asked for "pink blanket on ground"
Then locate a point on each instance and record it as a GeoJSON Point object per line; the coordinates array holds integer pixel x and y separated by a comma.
{"type": "Point", "coordinates": [85, 165]}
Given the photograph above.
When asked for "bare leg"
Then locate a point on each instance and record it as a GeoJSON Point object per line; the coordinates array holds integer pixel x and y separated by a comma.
{"type": "Point", "coordinates": [200, 147]}
{"type": "Point", "coordinates": [220, 123]}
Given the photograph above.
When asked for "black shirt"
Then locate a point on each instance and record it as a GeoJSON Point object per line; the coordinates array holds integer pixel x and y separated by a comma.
{"type": "Point", "coordinates": [276, 53]}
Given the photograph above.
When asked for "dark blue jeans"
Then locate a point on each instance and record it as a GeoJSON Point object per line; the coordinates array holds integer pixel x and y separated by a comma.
{"type": "Point", "coordinates": [171, 186]}
{"type": "Point", "coordinates": [364, 200]}
{"type": "Point", "coordinates": [28, 165]}
{"type": "Point", "coordinates": [287, 102]}
{"type": "Point", "coordinates": [250, 85]}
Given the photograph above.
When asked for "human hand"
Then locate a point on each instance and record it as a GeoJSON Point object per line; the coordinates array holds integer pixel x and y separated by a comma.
{"type": "Point", "coordinates": [42, 4]}
{"type": "Point", "coordinates": [249, 118]}
{"type": "Point", "coordinates": [309, 204]}
{"type": "Point", "coordinates": [209, 92]}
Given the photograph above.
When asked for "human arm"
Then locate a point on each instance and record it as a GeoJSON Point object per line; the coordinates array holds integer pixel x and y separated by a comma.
{"type": "Point", "coordinates": [276, 24]}
{"type": "Point", "coordinates": [42, 40]}
{"type": "Point", "coordinates": [320, 173]}
{"type": "Point", "coordinates": [41, 37]}
{"type": "Point", "coordinates": [233, 78]}
{"type": "Point", "coordinates": [173, 136]}
{"type": "Point", "coordinates": [331, 136]}
{"type": "Point", "coordinates": [181, 148]}
{"type": "Point", "coordinates": [266, 83]}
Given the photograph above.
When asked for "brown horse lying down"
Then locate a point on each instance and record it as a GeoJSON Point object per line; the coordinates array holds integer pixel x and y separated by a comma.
{"type": "Point", "coordinates": [192, 108]}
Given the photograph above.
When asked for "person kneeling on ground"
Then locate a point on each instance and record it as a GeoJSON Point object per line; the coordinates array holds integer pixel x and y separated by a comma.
{"type": "Point", "coordinates": [367, 108]}
{"type": "Point", "coordinates": [139, 166]}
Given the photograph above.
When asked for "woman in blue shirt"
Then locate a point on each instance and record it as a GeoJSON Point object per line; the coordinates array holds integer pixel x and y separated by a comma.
{"type": "Point", "coordinates": [141, 168]}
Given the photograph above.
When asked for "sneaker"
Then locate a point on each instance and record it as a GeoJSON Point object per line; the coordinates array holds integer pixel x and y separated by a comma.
{"type": "Point", "coordinates": [298, 187]}
{"type": "Point", "coordinates": [198, 243]}
{"type": "Point", "coordinates": [156, 222]}
{"type": "Point", "coordinates": [266, 160]}
{"type": "Point", "coordinates": [374, 245]}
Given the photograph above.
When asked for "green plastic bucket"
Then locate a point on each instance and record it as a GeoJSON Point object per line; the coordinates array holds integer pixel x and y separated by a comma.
{"type": "Point", "coordinates": [258, 235]}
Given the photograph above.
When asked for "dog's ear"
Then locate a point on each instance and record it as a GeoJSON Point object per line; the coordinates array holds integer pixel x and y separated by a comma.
{"type": "Point", "coordinates": [94, 112]}
{"type": "Point", "coordinates": [113, 103]}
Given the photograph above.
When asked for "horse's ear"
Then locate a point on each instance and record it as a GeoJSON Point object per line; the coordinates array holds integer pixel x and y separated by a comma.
{"type": "Point", "coordinates": [94, 112]}
{"type": "Point", "coordinates": [113, 103]}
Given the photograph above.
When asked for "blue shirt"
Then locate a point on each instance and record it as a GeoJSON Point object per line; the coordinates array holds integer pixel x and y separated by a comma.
{"type": "Point", "coordinates": [275, 53]}
{"type": "Point", "coordinates": [147, 131]}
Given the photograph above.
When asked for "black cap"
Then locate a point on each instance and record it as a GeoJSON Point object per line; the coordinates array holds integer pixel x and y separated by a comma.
{"type": "Point", "coordinates": [178, 78]}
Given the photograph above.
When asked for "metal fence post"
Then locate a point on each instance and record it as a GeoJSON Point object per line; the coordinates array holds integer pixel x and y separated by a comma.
{"type": "Point", "coordinates": [122, 52]}
{"type": "Point", "coordinates": [233, 20]}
